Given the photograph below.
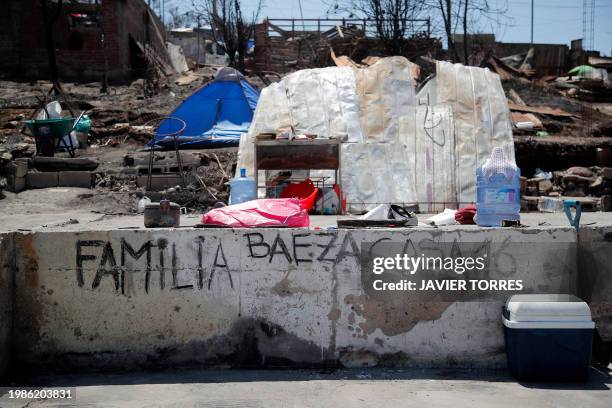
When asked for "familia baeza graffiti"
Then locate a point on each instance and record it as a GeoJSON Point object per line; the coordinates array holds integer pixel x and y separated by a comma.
{"type": "Point", "coordinates": [196, 262]}
{"type": "Point", "coordinates": [115, 260]}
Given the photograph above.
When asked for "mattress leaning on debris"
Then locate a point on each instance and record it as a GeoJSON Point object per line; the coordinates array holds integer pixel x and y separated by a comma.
{"type": "Point", "coordinates": [398, 146]}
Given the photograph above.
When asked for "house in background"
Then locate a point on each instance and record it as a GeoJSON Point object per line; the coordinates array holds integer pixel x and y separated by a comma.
{"type": "Point", "coordinates": [199, 45]}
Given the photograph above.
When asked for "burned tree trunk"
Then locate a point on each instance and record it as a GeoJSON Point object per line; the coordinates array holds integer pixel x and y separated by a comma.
{"type": "Point", "coordinates": [49, 21]}
{"type": "Point", "coordinates": [465, 33]}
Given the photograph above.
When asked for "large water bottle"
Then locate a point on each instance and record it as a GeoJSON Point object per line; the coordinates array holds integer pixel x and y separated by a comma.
{"type": "Point", "coordinates": [242, 188]}
{"type": "Point", "coordinates": [498, 190]}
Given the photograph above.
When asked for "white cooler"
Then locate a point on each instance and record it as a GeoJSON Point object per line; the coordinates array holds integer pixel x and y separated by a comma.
{"type": "Point", "coordinates": [548, 337]}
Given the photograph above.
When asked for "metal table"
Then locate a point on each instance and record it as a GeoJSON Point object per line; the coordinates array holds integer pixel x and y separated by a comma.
{"type": "Point", "coordinates": [298, 154]}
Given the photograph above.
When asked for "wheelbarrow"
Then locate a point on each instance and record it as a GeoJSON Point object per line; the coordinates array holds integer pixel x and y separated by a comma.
{"type": "Point", "coordinates": [49, 135]}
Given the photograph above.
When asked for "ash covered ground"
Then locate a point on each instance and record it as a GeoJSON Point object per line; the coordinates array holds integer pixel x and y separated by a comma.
{"type": "Point", "coordinates": [119, 130]}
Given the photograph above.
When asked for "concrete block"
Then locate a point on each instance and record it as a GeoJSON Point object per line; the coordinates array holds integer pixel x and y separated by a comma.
{"type": "Point", "coordinates": [16, 184]}
{"type": "Point", "coordinates": [606, 203]}
{"type": "Point", "coordinates": [75, 179]}
{"type": "Point", "coordinates": [160, 181]}
{"type": "Point", "coordinates": [42, 180]}
{"type": "Point", "coordinates": [18, 168]}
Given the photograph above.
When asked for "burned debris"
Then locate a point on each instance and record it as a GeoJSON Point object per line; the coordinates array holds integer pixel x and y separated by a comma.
{"type": "Point", "coordinates": [558, 115]}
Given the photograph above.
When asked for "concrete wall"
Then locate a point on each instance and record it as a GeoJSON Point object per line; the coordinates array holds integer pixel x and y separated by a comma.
{"type": "Point", "coordinates": [121, 299]}
{"type": "Point", "coordinates": [595, 267]}
{"type": "Point", "coordinates": [6, 300]}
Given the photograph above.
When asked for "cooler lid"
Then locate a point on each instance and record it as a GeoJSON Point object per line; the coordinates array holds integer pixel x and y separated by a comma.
{"type": "Point", "coordinates": [547, 308]}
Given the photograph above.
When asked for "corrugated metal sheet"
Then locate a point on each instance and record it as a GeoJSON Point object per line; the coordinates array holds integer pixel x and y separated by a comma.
{"type": "Point", "coordinates": [480, 114]}
{"type": "Point", "coordinates": [394, 150]}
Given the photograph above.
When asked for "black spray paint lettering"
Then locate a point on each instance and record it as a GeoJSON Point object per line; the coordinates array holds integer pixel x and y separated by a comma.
{"type": "Point", "coordinates": [259, 248]}
{"type": "Point", "coordinates": [299, 248]}
{"type": "Point", "coordinates": [279, 243]}
{"type": "Point", "coordinates": [297, 245]}
{"type": "Point", "coordinates": [107, 264]}
{"type": "Point", "coordinates": [108, 260]}
{"type": "Point", "coordinates": [502, 256]}
{"type": "Point", "coordinates": [257, 244]}
{"type": "Point", "coordinates": [175, 282]}
{"type": "Point", "coordinates": [327, 247]}
{"type": "Point", "coordinates": [344, 252]}
{"type": "Point", "coordinates": [136, 255]}
{"type": "Point", "coordinates": [216, 265]}
{"type": "Point", "coordinates": [162, 244]}
{"type": "Point", "coordinates": [80, 257]}
{"type": "Point", "coordinates": [200, 243]}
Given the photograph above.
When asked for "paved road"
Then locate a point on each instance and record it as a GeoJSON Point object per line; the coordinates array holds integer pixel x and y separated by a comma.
{"type": "Point", "coordinates": [309, 388]}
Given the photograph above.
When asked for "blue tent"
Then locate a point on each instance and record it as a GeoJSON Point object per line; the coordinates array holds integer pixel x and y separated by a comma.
{"type": "Point", "coordinates": [216, 115]}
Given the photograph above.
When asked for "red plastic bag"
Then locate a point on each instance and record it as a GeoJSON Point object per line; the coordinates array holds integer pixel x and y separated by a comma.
{"type": "Point", "coordinates": [268, 212]}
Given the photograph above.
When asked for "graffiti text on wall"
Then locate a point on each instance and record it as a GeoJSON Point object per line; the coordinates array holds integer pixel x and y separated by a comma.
{"type": "Point", "coordinates": [160, 261]}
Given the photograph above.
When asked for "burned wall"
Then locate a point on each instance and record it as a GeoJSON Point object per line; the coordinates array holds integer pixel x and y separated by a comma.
{"type": "Point", "coordinates": [258, 297]}
{"type": "Point", "coordinates": [81, 54]}
{"type": "Point", "coordinates": [9, 44]}
{"type": "Point", "coordinates": [549, 59]}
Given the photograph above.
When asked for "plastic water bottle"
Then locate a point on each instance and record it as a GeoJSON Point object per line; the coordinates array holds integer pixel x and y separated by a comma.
{"type": "Point", "coordinates": [550, 204]}
{"type": "Point", "coordinates": [498, 190]}
{"type": "Point", "coordinates": [242, 188]}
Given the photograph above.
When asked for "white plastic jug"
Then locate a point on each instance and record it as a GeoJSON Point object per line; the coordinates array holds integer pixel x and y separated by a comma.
{"type": "Point", "coordinates": [242, 188]}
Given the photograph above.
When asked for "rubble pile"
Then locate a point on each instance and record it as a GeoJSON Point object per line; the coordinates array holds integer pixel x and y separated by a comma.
{"type": "Point", "coordinates": [116, 116]}
{"type": "Point", "coordinates": [594, 183]}
{"type": "Point", "coordinates": [555, 130]}
{"type": "Point", "coordinates": [205, 179]}
{"type": "Point", "coordinates": [123, 121]}
{"type": "Point", "coordinates": [546, 111]}
{"type": "Point", "coordinates": [556, 126]}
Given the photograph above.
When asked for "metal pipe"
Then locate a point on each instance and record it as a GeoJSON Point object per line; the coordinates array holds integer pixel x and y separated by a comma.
{"type": "Point", "coordinates": [532, 21]}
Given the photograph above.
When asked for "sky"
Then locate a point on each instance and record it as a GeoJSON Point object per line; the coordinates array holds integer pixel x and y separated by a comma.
{"type": "Point", "coordinates": [555, 21]}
